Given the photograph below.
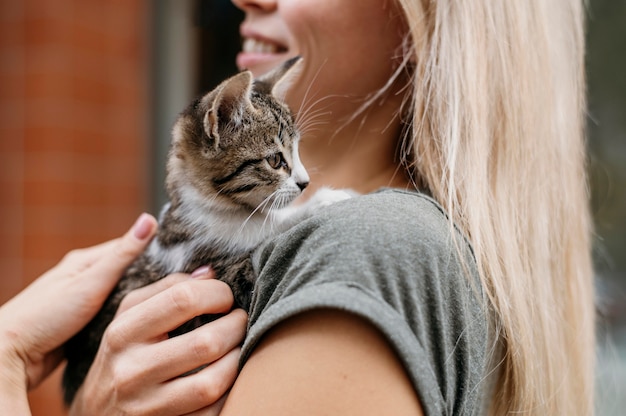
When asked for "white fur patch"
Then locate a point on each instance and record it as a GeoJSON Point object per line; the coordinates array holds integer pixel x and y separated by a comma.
{"type": "Point", "coordinates": [234, 232]}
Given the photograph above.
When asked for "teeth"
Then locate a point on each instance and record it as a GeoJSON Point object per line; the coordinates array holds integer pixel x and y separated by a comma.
{"type": "Point", "coordinates": [258, 46]}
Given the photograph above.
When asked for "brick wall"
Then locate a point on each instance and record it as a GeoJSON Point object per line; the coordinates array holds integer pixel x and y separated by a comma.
{"type": "Point", "coordinates": [74, 145]}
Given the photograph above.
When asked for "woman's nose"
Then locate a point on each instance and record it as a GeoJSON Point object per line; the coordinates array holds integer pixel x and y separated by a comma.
{"type": "Point", "coordinates": [256, 5]}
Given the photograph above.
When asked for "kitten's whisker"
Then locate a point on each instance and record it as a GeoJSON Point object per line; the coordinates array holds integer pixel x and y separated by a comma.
{"type": "Point", "coordinates": [267, 217]}
{"type": "Point", "coordinates": [312, 127]}
{"type": "Point", "coordinates": [313, 111]}
{"type": "Point", "coordinates": [308, 109]}
{"type": "Point", "coordinates": [303, 103]}
{"type": "Point", "coordinates": [259, 207]}
{"type": "Point", "coordinates": [326, 97]}
{"type": "Point", "coordinates": [312, 115]}
{"type": "Point", "coordinates": [315, 117]}
{"type": "Point", "coordinates": [278, 203]}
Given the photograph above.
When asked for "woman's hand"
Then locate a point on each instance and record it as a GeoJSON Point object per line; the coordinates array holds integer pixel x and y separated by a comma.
{"type": "Point", "coordinates": [137, 368]}
{"type": "Point", "coordinates": [40, 319]}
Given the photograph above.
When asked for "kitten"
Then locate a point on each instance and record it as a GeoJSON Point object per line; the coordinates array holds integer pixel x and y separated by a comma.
{"type": "Point", "coordinates": [232, 169]}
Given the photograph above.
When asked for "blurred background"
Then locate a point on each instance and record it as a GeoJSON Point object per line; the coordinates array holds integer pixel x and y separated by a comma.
{"type": "Point", "coordinates": [90, 89]}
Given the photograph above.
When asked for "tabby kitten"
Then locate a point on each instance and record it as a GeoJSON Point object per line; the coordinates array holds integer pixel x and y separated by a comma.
{"type": "Point", "coordinates": [232, 169]}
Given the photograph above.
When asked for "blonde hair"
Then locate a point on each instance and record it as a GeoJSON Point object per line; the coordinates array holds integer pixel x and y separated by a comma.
{"type": "Point", "coordinates": [497, 136]}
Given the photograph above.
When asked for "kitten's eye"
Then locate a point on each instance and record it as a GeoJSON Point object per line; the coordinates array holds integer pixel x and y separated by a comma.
{"type": "Point", "coordinates": [276, 161]}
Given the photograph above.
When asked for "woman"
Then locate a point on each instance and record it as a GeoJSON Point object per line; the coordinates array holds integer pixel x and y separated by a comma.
{"type": "Point", "coordinates": [477, 104]}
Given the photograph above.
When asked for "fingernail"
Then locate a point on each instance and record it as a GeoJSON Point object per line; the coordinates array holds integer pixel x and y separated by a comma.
{"type": "Point", "coordinates": [201, 272]}
{"type": "Point", "coordinates": [142, 227]}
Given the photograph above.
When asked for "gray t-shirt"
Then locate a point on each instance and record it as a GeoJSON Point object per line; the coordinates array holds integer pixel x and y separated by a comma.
{"type": "Point", "coordinates": [389, 257]}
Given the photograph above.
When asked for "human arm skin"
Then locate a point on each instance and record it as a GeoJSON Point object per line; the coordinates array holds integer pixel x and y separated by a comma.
{"type": "Point", "coordinates": [319, 363]}
{"type": "Point", "coordinates": [37, 322]}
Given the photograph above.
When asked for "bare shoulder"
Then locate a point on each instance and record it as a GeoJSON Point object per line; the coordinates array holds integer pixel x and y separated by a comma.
{"type": "Point", "coordinates": [323, 362]}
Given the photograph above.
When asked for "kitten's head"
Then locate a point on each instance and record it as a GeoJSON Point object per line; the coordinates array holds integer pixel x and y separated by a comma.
{"type": "Point", "coordinates": [237, 146]}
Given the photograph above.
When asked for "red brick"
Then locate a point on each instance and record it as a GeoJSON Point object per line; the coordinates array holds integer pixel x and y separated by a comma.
{"type": "Point", "coordinates": [73, 125]}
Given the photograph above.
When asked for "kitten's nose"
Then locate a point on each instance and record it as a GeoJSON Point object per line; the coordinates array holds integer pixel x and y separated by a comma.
{"type": "Point", "coordinates": [302, 185]}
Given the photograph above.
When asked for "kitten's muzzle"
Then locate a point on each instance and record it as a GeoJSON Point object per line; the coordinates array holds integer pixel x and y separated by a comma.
{"type": "Point", "coordinates": [302, 185]}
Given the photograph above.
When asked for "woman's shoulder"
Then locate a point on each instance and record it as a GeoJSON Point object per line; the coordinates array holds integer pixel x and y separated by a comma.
{"type": "Point", "coordinates": [400, 201]}
{"type": "Point", "coordinates": [403, 228]}
{"type": "Point", "coordinates": [390, 207]}
{"type": "Point", "coordinates": [387, 220]}
{"type": "Point", "coordinates": [396, 245]}
{"type": "Point", "coordinates": [393, 258]}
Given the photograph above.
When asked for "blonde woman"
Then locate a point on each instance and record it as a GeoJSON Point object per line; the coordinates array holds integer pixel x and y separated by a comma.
{"type": "Point", "coordinates": [459, 283]}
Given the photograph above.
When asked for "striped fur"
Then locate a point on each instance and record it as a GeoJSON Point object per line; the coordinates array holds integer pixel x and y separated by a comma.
{"type": "Point", "coordinates": [232, 171]}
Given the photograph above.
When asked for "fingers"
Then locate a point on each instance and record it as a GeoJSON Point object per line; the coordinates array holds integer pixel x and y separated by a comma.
{"type": "Point", "coordinates": [189, 394]}
{"type": "Point", "coordinates": [202, 346]}
{"type": "Point", "coordinates": [122, 252]}
{"type": "Point", "coordinates": [212, 410]}
{"type": "Point", "coordinates": [139, 295]}
{"type": "Point", "coordinates": [142, 231]}
{"type": "Point", "coordinates": [141, 364]}
{"type": "Point", "coordinates": [145, 377]}
{"type": "Point", "coordinates": [169, 309]}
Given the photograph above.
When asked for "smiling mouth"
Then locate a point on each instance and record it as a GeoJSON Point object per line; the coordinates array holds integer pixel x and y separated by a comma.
{"type": "Point", "coordinates": [252, 45]}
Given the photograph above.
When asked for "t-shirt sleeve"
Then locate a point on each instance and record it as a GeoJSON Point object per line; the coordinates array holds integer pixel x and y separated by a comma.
{"type": "Point", "coordinates": [395, 260]}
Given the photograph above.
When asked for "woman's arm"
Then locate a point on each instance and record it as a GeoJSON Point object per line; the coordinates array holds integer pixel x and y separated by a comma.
{"type": "Point", "coordinates": [323, 362]}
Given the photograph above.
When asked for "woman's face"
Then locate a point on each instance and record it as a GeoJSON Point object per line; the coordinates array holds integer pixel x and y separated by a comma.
{"type": "Point", "coordinates": [350, 47]}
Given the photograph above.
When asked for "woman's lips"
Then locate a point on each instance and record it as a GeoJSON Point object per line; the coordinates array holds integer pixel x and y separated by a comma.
{"type": "Point", "coordinates": [252, 45]}
{"type": "Point", "coordinates": [256, 51]}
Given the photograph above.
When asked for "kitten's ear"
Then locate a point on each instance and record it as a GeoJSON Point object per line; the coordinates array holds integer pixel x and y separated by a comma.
{"type": "Point", "coordinates": [278, 81]}
{"type": "Point", "coordinates": [228, 103]}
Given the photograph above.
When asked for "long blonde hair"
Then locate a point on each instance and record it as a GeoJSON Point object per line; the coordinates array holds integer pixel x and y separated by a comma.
{"type": "Point", "coordinates": [497, 136]}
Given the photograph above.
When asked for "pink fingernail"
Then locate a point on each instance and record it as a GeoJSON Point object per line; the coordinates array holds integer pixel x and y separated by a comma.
{"type": "Point", "coordinates": [201, 272]}
{"type": "Point", "coordinates": [142, 227]}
